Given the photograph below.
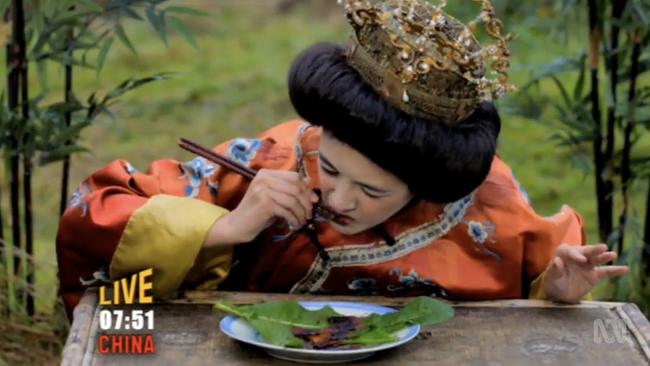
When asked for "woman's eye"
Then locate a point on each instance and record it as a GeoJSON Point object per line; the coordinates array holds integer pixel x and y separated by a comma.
{"type": "Point", "coordinates": [329, 171]}
{"type": "Point", "coordinates": [370, 194]}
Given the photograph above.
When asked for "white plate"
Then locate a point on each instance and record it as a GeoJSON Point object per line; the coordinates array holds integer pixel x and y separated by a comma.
{"type": "Point", "coordinates": [241, 330]}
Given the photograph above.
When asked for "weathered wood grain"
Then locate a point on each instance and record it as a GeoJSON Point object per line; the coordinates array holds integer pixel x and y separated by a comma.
{"type": "Point", "coordinates": [507, 332]}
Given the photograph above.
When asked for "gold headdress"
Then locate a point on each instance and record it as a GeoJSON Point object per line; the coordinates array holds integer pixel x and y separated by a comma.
{"type": "Point", "coordinates": [425, 62]}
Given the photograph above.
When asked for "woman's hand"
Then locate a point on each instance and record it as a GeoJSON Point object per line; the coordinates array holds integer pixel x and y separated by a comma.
{"type": "Point", "coordinates": [272, 195]}
{"type": "Point", "coordinates": [574, 271]}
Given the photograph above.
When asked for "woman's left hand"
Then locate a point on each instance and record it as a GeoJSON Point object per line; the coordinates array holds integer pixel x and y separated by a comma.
{"type": "Point", "coordinates": [575, 270]}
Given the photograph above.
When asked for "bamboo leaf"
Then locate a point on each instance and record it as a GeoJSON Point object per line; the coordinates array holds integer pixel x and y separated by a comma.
{"type": "Point", "coordinates": [107, 112]}
{"type": "Point", "coordinates": [66, 59]}
{"type": "Point", "coordinates": [184, 32]}
{"type": "Point", "coordinates": [157, 20]}
{"type": "Point", "coordinates": [581, 161]}
{"type": "Point", "coordinates": [561, 111]}
{"type": "Point", "coordinates": [186, 10]}
{"type": "Point", "coordinates": [558, 66]}
{"type": "Point", "coordinates": [71, 133]}
{"type": "Point", "coordinates": [131, 84]}
{"type": "Point", "coordinates": [103, 53]}
{"type": "Point", "coordinates": [641, 12]}
{"type": "Point", "coordinates": [93, 5]}
{"type": "Point", "coordinates": [60, 153]}
{"type": "Point", "coordinates": [130, 13]}
{"type": "Point", "coordinates": [61, 108]}
{"type": "Point", "coordinates": [121, 35]}
{"type": "Point", "coordinates": [524, 106]}
{"type": "Point", "coordinates": [644, 66]}
{"type": "Point", "coordinates": [578, 89]}
{"type": "Point", "coordinates": [74, 17]}
{"type": "Point", "coordinates": [563, 91]}
{"type": "Point", "coordinates": [92, 98]}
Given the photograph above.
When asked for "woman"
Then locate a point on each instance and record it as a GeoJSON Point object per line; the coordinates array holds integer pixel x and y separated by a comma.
{"type": "Point", "coordinates": [398, 135]}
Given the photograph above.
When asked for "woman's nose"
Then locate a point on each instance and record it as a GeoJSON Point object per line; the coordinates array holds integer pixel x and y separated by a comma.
{"type": "Point", "coordinates": [341, 200]}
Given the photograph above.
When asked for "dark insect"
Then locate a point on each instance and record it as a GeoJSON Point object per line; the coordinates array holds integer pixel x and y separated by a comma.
{"type": "Point", "coordinates": [340, 329]}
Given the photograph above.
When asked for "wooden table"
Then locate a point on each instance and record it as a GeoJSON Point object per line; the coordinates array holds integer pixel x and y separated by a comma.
{"type": "Point", "coordinates": [505, 332]}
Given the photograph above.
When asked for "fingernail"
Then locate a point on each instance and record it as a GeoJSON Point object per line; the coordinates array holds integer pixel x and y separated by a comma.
{"type": "Point", "coordinates": [314, 197]}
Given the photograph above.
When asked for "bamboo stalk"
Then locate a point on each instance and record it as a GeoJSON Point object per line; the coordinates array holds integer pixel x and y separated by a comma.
{"type": "Point", "coordinates": [23, 86]}
{"type": "Point", "coordinates": [612, 65]}
{"type": "Point", "coordinates": [27, 177]}
{"type": "Point", "coordinates": [29, 234]}
{"type": "Point", "coordinates": [65, 177]}
{"type": "Point", "coordinates": [626, 172]}
{"type": "Point", "coordinates": [16, 63]}
{"type": "Point", "coordinates": [599, 164]}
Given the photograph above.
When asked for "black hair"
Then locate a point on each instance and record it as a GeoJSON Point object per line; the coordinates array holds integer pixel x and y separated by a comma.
{"type": "Point", "coordinates": [438, 163]}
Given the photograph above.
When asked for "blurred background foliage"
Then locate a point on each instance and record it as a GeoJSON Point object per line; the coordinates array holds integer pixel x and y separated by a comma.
{"type": "Point", "coordinates": [213, 70]}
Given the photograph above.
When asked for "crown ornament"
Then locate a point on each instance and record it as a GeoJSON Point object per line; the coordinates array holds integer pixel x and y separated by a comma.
{"type": "Point", "coordinates": [425, 62]}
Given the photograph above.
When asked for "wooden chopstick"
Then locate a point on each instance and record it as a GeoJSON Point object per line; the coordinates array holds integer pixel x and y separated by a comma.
{"type": "Point", "coordinates": [217, 158]}
{"type": "Point", "coordinates": [245, 171]}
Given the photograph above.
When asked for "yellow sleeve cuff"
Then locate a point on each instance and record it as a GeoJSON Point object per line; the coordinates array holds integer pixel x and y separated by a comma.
{"type": "Point", "coordinates": [167, 234]}
{"type": "Point", "coordinates": [537, 289]}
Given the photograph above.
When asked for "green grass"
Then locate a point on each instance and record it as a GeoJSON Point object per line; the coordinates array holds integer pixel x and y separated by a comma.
{"type": "Point", "coordinates": [234, 85]}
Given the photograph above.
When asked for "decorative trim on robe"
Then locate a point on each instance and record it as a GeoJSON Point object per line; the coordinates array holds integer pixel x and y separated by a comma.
{"type": "Point", "coordinates": [373, 253]}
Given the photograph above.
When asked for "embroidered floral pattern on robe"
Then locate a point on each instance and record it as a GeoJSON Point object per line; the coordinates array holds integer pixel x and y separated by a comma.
{"type": "Point", "coordinates": [78, 199]}
{"type": "Point", "coordinates": [244, 150]}
{"type": "Point", "coordinates": [481, 232]}
{"type": "Point", "coordinates": [198, 171]}
{"type": "Point", "coordinates": [363, 286]}
{"type": "Point", "coordinates": [100, 276]}
{"type": "Point", "coordinates": [411, 281]}
{"type": "Point", "coordinates": [130, 168]}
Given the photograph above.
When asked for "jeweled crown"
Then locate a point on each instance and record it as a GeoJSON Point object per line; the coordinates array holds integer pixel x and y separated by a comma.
{"type": "Point", "coordinates": [425, 62]}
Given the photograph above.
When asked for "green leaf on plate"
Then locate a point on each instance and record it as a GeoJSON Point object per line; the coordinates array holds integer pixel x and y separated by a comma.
{"type": "Point", "coordinates": [275, 321]}
{"type": "Point", "coordinates": [423, 310]}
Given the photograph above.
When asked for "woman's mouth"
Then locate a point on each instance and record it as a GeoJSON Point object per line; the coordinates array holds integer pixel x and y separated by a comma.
{"type": "Point", "coordinates": [343, 220]}
{"type": "Point", "coordinates": [334, 216]}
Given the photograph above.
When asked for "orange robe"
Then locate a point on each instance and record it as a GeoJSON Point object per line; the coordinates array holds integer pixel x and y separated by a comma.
{"type": "Point", "coordinates": [488, 245]}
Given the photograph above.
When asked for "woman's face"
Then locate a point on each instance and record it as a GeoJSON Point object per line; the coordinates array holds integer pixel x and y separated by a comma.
{"type": "Point", "coordinates": [356, 187]}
